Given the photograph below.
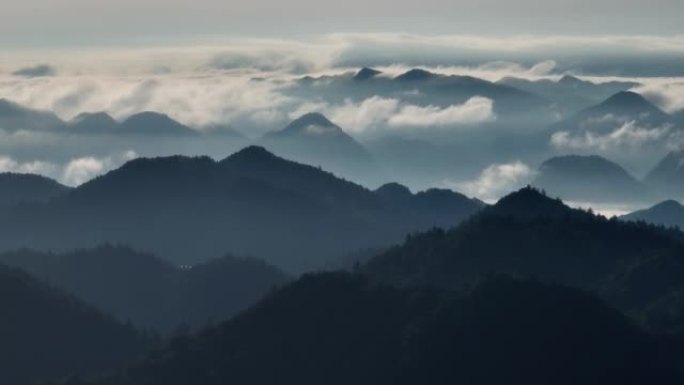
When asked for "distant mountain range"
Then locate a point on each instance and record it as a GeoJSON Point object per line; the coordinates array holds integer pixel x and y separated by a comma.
{"type": "Point", "coordinates": [150, 292]}
{"type": "Point", "coordinates": [668, 213]}
{"type": "Point", "coordinates": [668, 175]}
{"type": "Point", "coordinates": [313, 139]}
{"type": "Point", "coordinates": [589, 179]}
{"type": "Point", "coordinates": [186, 209]}
{"type": "Point", "coordinates": [569, 93]}
{"type": "Point", "coordinates": [620, 108]}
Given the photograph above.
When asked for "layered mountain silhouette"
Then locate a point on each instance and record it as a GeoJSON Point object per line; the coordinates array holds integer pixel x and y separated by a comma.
{"type": "Point", "coordinates": [94, 122]}
{"type": "Point", "coordinates": [313, 139]}
{"type": "Point", "coordinates": [428, 89]}
{"type": "Point", "coordinates": [252, 203]}
{"type": "Point", "coordinates": [637, 268]}
{"type": "Point", "coordinates": [14, 117]}
{"type": "Point", "coordinates": [24, 188]}
{"type": "Point", "coordinates": [667, 213]}
{"type": "Point", "coordinates": [47, 334]}
{"type": "Point", "coordinates": [619, 109]}
{"type": "Point", "coordinates": [337, 328]}
{"type": "Point", "coordinates": [667, 177]}
{"type": "Point", "coordinates": [148, 291]}
{"type": "Point", "coordinates": [569, 93]}
{"type": "Point", "coordinates": [153, 123]}
{"type": "Point", "coordinates": [589, 179]}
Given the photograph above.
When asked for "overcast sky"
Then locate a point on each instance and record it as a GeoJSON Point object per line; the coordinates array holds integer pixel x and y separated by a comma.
{"type": "Point", "coordinates": [100, 21]}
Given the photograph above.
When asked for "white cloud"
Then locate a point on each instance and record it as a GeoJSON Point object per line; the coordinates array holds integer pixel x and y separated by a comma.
{"type": "Point", "coordinates": [377, 112]}
{"type": "Point", "coordinates": [80, 170]}
{"type": "Point", "coordinates": [668, 95]}
{"type": "Point", "coordinates": [476, 110]}
{"type": "Point", "coordinates": [496, 181]}
{"type": "Point", "coordinates": [8, 164]}
{"type": "Point", "coordinates": [629, 135]}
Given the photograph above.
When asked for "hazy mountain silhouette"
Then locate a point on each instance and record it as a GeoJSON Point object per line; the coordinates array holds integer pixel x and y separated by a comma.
{"type": "Point", "coordinates": [148, 291]}
{"type": "Point", "coordinates": [95, 122]}
{"type": "Point", "coordinates": [337, 328]}
{"type": "Point", "coordinates": [366, 74]}
{"type": "Point", "coordinates": [416, 74]}
{"type": "Point", "coordinates": [18, 188]}
{"type": "Point", "coordinates": [569, 93]}
{"type": "Point", "coordinates": [252, 203]}
{"type": "Point", "coordinates": [14, 117]}
{"type": "Point", "coordinates": [47, 334]}
{"type": "Point", "coordinates": [667, 177]}
{"type": "Point", "coordinates": [589, 179]}
{"type": "Point", "coordinates": [636, 267]}
{"type": "Point", "coordinates": [420, 87]}
{"type": "Point", "coordinates": [609, 115]}
{"type": "Point", "coordinates": [667, 213]}
{"type": "Point", "coordinates": [313, 139]}
{"type": "Point", "coordinates": [150, 123]}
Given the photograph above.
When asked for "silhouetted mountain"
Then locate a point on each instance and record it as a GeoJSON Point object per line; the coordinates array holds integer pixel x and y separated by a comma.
{"type": "Point", "coordinates": [570, 94]}
{"type": "Point", "coordinates": [667, 213]}
{"type": "Point", "coordinates": [14, 117]}
{"type": "Point", "coordinates": [150, 292]}
{"type": "Point", "coordinates": [589, 179]}
{"type": "Point", "coordinates": [46, 334]}
{"type": "Point", "coordinates": [638, 268]}
{"type": "Point", "coordinates": [416, 74]}
{"type": "Point", "coordinates": [18, 188]}
{"type": "Point", "coordinates": [313, 139]}
{"type": "Point", "coordinates": [154, 123]}
{"type": "Point", "coordinates": [340, 329]}
{"type": "Point", "coordinates": [619, 109]}
{"type": "Point", "coordinates": [96, 122]}
{"type": "Point", "coordinates": [667, 177]}
{"type": "Point", "coordinates": [395, 193]}
{"type": "Point", "coordinates": [366, 73]}
{"type": "Point", "coordinates": [252, 203]}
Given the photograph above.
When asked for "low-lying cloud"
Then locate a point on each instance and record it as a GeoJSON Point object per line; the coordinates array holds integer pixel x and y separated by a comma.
{"type": "Point", "coordinates": [496, 181]}
{"type": "Point", "coordinates": [628, 136]}
{"type": "Point", "coordinates": [377, 113]}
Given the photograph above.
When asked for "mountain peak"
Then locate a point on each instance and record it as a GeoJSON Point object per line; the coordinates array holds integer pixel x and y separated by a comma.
{"type": "Point", "coordinates": [93, 116]}
{"type": "Point", "coordinates": [570, 80]}
{"type": "Point", "coordinates": [154, 122]}
{"type": "Point", "coordinates": [394, 191]}
{"type": "Point", "coordinates": [252, 154]}
{"type": "Point", "coordinates": [626, 99]}
{"type": "Point", "coordinates": [311, 123]}
{"type": "Point", "coordinates": [366, 73]}
{"type": "Point", "coordinates": [528, 202]}
{"type": "Point", "coordinates": [415, 74]}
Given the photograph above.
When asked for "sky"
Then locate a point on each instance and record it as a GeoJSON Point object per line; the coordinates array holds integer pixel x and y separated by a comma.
{"type": "Point", "coordinates": [50, 22]}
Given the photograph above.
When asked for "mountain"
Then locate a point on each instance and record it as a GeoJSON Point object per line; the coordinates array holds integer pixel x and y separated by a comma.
{"type": "Point", "coordinates": [337, 328]}
{"type": "Point", "coordinates": [366, 74]}
{"type": "Point", "coordinates": [18, 188]}
{"type": "Point", "coordinates": [14, 117]}
{"type": "Point", "coordinates": [415, 74]}
{"type": "Point", "coordinates": [667, 213]}
{"type": "Point", "coordinates": [637, 268]}
{"type": "Point", "coordinates": [619, 109]}
{"type": "Point", "coordinates": [47, 334]}
{"type": "Point", "coordinates": [148, 291]}
{"type": "Point", "coordinates": [589, 179]}
{"type": "Point", "coordinates": [569, 93]}
{"type": "Point", "coordinates": [667, 177]}
{"type": "Point", "coordinates": [313, 139]}
{"type": "Point", "coordinates": [424, 88]}
{"type": "Point", "coordinates": [96, 122]}
{"type": "Point", "coordinates": [188, 210]}
{"type": "Point", "coordinates": [149, 123]}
